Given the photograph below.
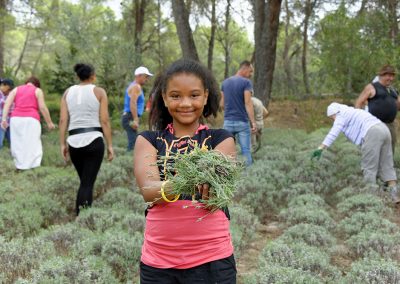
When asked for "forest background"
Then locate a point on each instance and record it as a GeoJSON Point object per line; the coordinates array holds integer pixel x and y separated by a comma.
{"type": "Point", "coordinates": [300, 49]}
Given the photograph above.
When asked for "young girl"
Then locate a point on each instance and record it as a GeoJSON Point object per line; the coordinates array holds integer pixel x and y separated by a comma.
{"type": "Point", "coordinates": [177, 248]}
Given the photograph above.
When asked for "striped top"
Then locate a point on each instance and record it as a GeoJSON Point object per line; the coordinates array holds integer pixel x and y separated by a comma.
{"type": "Point", "coordinates": [354, 123]}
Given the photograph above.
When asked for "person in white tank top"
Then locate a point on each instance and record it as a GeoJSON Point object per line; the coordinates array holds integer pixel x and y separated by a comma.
{"type": "Point", "coordinates": [84, 110]}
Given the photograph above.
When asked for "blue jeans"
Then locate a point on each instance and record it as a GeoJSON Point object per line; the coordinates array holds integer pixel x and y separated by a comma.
{"type": "Point", "coordinates": [130, 132]}
{"type": "Point", "coordinates": [242, 131]}
{"type": "Point", "coordinates": [4, 134]}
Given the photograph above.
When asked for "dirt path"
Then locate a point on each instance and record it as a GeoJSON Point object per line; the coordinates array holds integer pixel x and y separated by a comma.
{"type": "Point", "coordinates": [248, 261]}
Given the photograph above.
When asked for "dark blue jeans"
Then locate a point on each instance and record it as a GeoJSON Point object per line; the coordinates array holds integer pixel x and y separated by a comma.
{"type": "Point", "coordinates": [130, 132]}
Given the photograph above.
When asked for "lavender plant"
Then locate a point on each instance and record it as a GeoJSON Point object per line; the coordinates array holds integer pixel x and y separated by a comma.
{"type": "Point", "coordinates": [201, 166]}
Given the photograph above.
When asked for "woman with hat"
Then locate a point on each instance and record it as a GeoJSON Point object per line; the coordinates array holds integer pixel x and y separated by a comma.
{"type": "Point", "coordinates": [365, 130]}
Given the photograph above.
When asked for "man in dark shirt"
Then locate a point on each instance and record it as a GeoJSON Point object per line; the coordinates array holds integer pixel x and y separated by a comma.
{"type": "Point", "coordinates": [382, 99]}
{"type": "Point", "coordinates": [238, 108]}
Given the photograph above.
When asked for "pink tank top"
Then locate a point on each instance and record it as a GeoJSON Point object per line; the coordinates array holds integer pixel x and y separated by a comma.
{"type": "Point", "coordinates": [26, 103]}
{"type": "Point", "coordinates": [175, 238]}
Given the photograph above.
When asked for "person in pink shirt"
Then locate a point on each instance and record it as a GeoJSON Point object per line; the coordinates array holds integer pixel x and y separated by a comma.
{"type": "Point", "coordinates": [26, 145]}
{"type": "Point", "coordinates": [177, 247]}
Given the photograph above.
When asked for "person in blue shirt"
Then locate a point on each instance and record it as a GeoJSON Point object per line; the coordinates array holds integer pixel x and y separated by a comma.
{"type": "Point", "coordinates": [134, 104]}
{"type": "Point", "coordinates": [238, 108]}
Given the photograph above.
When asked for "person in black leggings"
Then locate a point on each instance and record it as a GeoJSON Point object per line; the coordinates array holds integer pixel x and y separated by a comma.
{"type": "Point", "coordinates": [87, 161]}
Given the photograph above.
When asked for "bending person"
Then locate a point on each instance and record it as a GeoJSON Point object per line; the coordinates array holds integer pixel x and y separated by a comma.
{"type": "Point", "coordinates": [362, 128]}
{"type": "Point", "coordinates": [26, 145]}
{"type": "Point", "coordinates": [84, 109]}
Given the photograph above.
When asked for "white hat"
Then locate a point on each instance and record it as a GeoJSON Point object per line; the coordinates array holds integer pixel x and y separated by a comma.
{"type": "Point", "coordinates": [142, 70]}
{"type": "Point", "coordinates": [334, 108]}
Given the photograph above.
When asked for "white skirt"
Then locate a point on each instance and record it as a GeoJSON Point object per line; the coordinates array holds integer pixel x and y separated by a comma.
{"type": "Point", "coordinates": [26, 146]}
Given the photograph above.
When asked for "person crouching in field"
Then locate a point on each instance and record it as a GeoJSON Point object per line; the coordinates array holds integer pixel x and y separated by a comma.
{"type": "Point", "coordinates": [177, 248]}
{"type": "Point", "coordinates": [362, 128]}
{"type": "Point", "coordinates": [25, 128]}
{"type": "Point", "coordinates": [84, 109]}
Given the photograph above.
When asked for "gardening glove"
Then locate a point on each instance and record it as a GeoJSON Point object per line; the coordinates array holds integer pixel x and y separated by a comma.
{"type": "Point", "coordinates": [316, 154]}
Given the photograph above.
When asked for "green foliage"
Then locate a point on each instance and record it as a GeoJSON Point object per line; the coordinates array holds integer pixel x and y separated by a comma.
{"type": "Point", "coordinates": [121, 197]}
{"type": "Point", "coordinates": [25, 216]}
{"type": "Point", "coordinates": [361, 203]}
{"type": "Point", "coordinates": [200, 166]}
{"type": "Point", "coordinates": [122, 253]}
{"type": "Point", "coordinates": [89, 269]}
{"type": "Point", "coordinates": [298, 256]}
{"type": "Point", "coordinates": [275, 273]}
{"type": "Point", "coordinates": [370, 221]}
{"type": "Point", "coordinates": [312, 200]}
{"type": "Point", "coordinates": [374, 271]}
{"type": "Point", "coordinates": [243, 225]}
{"type": "Point", "coordinates": [309, 215]}
{"type": "Point", "coordinates": [18, 257]}
{"type": "Point", "coordinates": [372, 240]}
{"type": "Point", "coordinates": [312, 235]}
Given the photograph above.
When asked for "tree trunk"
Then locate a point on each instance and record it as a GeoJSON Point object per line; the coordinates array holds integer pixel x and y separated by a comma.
{"type": "Point", "coordinates": [286, 57]}
{"type": "Point", "coordinates": [308, 11]}
{"type": "Point", "coordinates": [181, 16]}
{"type": "Point", "coordinates": [394, 27]}
{"type": "Point", "coordinates": [138, 13]}
{"type": "Point", "coordinates": [21, 56]}
{"type": "Point", "coordinates": [3, 14]}
{"type": "Point", "coordinates": [227, 50]}
{"type": "Point", "coordinates": [266, 27]}
{"type": "Point", "coordinates": [159, 45]}
{"type": "Point", "coordinates": [212, 35]}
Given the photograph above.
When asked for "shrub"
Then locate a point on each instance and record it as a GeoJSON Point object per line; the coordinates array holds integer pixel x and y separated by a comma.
{"type": "Point", "coordinates": [298, 256]}
{"type": "Point", "coordinates": [352, 190]}
{"type": "Point", "coordinates": [310, 234]}
{"type": "Point", "coordinates": [98, 219]}
{"type": "Point", "coordinates": [122, 252]}
{"type": "Point", "coordinates": [311, 200]}
{"type": "Point", "coordinates": [121, 198]}
{"type": "Point", "coordinates": [110, 175]}
{"type": "Point", "coordinates": [366, 220]}
{"type": "Point", "coordinates": [64, 237]}
{"type": "Point", "coordinates": [374, 271]}
{"type": "Point", "coordinates": [280, 274]}
{"type": "Point", "coordinates": [361, 203]}
{"type": "Point", "coordinates": [133, 223]}
{"type": "Point", "coordinates": [243, 227]}
{"type": "Point", "coordinates": [375, 241]}
{"type": "Point", "coordinates": [18, 257]}
{"type": "Point", "coordinates": [309, 215]}
{"type": "Point", "coordinates": [63, 270]}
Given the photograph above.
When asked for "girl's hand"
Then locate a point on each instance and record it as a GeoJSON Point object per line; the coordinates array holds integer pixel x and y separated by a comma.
{"type": "Point", "coordinates": [64, 152]}
{"type": "Point", "coordinates": [110, 153]}
{"type": "Point", "coordinates": [204, 190]}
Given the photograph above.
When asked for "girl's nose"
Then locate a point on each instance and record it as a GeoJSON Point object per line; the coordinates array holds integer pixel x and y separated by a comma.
{"type": "Point", "coordinates": [186, 101]}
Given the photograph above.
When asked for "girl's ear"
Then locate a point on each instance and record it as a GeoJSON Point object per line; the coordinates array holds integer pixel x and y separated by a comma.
{"type": "Point", "coordinates": [206, 97]}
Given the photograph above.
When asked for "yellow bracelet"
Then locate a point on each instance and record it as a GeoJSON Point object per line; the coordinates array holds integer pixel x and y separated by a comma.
{"type": "Point", "coordinates": [164, 197]}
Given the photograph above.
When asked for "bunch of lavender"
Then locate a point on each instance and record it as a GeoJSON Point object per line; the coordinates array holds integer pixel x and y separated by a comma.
{"type": "Point", "coordinates": [200, 166]}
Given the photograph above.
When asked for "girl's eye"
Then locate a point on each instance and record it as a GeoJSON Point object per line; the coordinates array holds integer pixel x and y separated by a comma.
{"type": "Point", "coordinates": [195, 95]}
{"type": "Point", "coordinates": [174, 96]}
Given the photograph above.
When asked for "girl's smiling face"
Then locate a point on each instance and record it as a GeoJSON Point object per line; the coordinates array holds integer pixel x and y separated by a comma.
{"type": "Point", "coordinates": [185, 98]}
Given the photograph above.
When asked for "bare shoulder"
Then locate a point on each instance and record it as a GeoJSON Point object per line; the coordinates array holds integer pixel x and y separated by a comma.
{"type": "Point", "coordinates": [99, 92]}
